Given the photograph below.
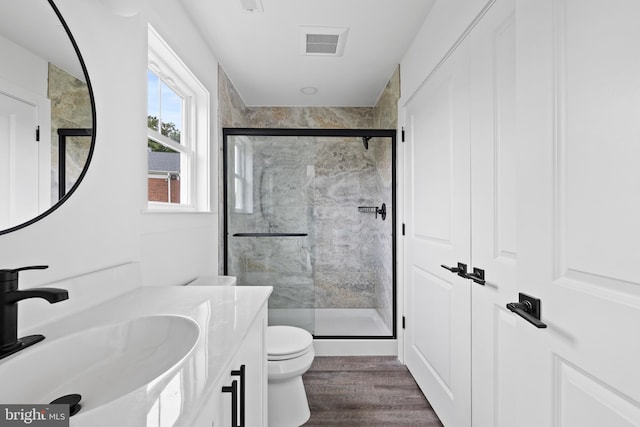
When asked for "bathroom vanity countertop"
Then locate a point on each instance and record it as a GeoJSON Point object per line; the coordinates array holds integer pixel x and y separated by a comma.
{"type": "Point", "coordinates": [224, 315]}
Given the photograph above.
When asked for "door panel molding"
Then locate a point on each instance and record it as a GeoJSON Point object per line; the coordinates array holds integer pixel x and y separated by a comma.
{"type": "Point", "coordinates": [503, 81]}
{"type": "Point", "coordinates": [583, 399]}
{"type": "Point", "coordinates": [504, 367]}
{"type": "Point", "coordinates": [432, 199]}
{"type": "Point", "coordinates": [590, 251]}
{"type": "Point", "coordinates": [433, 341]}
{"type": "Point", "coordinates": [605, 288]}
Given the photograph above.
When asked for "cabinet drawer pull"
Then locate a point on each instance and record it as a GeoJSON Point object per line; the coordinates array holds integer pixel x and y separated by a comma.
{"type": "Point", "coordinates": [241, 373]}
{"type": "Point", "coordinates": [233, 389]}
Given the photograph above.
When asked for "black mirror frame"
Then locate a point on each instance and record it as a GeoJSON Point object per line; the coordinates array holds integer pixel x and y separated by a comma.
{"type": "Point", "coordinates": [93, 136]}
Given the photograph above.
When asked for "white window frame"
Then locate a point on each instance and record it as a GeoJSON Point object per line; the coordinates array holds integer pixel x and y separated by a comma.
{"type": "Point", "coordinates": [194, 135]}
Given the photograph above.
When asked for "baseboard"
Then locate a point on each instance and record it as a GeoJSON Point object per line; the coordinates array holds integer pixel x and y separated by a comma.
{"type": "Point", "coordinates": [355, 347]}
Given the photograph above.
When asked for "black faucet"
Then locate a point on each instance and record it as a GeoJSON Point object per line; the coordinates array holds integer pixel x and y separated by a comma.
{"type": "Point", "coordinates": [9, 297]}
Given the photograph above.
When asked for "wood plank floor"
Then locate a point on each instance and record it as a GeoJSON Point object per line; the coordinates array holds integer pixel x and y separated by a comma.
{"type": "Point", "coordinates": [365, 391]}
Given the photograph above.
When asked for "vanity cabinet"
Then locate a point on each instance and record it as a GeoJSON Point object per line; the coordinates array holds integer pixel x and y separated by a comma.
{"type": "Point", "coordinates": [244, 384]}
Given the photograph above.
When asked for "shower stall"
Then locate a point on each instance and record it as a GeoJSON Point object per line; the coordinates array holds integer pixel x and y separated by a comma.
{"type": "Point", "coordinates": [311, 212]}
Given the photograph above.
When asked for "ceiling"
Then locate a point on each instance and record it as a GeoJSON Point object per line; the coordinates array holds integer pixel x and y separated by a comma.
{"type": "Point", "coordinates": [34, 26]}
{"type": "Point", "coordinates": [261, 51]}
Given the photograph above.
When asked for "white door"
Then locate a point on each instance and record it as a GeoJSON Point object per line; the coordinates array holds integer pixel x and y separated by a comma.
{"type": "Point", "coordinates": [19, 174]}
{"type": "Point", "coordinates": [493, 214]}
{"type": "Point", "coordinates": [437, 302]}
{"type": "Point", "coordinates": [578, 133]}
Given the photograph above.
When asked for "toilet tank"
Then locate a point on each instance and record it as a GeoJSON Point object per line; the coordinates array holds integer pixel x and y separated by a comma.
{"type": "Point", "coordinates": [213, 281]}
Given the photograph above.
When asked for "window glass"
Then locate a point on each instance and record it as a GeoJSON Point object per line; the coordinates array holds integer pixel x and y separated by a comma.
{"type": "Point", "coordinates": [164, 108]}
{"type": "Point", "coordinates": [177, 132]}
{"type": "Point", "coordinates": [170, 112]}
{"type": "Point", "coordinates": [153, 100]}
{"type": "Point", "coordinates": [242, 176]}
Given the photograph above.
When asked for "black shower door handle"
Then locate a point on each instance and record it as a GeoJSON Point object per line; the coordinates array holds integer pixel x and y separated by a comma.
{"type": "Point", "coordinates": [270, 234]}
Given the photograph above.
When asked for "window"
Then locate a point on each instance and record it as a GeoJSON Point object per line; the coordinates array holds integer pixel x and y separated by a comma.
{"type": "Point", "coordinates": [177, 132]}
{"type": "Point", "coordinates": [242, 175]}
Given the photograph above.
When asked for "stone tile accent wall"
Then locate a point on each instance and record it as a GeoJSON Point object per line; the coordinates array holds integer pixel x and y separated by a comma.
{"type": "Point", "coordinates": [386, 109]}
{"type": "Point", "coordinates": [234, 113]}
{"type": "Point", "coordinates": [231, 108]}
{"type": "Point", "coordinates": [282, 196]}
{"type": "Point", "coordinates": [70, 108]}
{"type": "Point", "coordinates": [385, 117]}
{"type": "Point", "coordinates": [345, 239]}
{"type": "Point", "coordinates": [315, 185]}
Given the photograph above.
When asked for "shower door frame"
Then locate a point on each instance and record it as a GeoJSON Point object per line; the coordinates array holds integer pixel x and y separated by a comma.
{"type": "Point", "coordinates": [293, 132]}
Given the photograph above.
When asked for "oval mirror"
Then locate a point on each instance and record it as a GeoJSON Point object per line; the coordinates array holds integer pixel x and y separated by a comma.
{"type": "Point", "coordinates": [47, 112]}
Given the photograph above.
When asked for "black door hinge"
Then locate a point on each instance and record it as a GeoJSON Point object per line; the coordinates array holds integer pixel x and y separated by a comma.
{"type": "Point", "coordinates": [403, 231]}
{"type": "Point", "coordinates": [37, 133]}
{"type": "Point", "coordinates": [403, 322]}
{"type": "Point", "coordinates": [402, 134]}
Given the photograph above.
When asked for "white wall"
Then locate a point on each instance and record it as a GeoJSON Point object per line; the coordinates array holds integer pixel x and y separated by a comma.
{"type": "Point", "coordinates": [446, 22]}
{"type": "Point", "coordinates": [190, 240]}
{"type": "Point", "coordinates": [103, 223]}
{"type": "Point", "coordinates": [25, 69]}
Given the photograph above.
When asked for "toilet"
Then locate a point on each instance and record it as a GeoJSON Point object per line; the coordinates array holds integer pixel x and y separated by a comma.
{"type": "Point", "coordinates": [289, 355]}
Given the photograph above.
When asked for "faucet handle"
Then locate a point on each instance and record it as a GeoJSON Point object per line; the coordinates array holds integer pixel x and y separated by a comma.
{"type": "Point", "coordinates": [31, 267]}
{"type": "Point", "coordinates": [7, 275]}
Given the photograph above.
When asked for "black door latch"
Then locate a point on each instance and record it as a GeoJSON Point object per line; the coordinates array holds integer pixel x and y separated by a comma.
{"type": "Point", "coordinates": [528, 308]}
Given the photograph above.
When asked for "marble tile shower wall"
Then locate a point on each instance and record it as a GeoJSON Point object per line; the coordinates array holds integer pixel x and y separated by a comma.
{"type": "Point", "coordinates": [345, 240]}
{"type": "Point", "coordinates": [282, 199]}
{"type": "Point", "coordinates": [70, 108]}
{"type": "Point", "coordinates": [314, 186]}
{"type": "Point", "coordinates": [385, 117]}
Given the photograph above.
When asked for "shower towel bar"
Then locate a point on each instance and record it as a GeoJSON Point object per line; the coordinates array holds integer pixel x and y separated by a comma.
{"type": "Point", "coordinates": [368, 209]}
{"type": "Point", "coordinates": [270, 235]}
{"type": "Point", "coordinates": [382, 211]}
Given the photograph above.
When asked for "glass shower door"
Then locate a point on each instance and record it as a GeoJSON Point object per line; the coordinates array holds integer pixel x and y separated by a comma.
{"type": "Point", "coordinates": [268, 224]}
{"type": "Point", "coordinates": [304, 215]}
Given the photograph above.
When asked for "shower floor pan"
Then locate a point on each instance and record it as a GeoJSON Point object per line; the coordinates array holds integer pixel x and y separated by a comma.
{"type": "Point", "coordinates": [333, 322]}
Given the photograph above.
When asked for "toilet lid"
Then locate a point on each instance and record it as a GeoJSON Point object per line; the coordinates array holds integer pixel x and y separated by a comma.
{"type": "Point", "coordinates": [287, 341]}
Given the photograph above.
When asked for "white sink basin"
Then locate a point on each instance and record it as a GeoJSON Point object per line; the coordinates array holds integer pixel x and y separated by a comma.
{"type": "Point", "coordinates": [101, 364]}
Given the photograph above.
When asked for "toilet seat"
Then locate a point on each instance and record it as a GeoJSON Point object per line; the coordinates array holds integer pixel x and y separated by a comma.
{"type": "Point", "coordinates": [287, 342]}
{"type": "Point", "coordinates": [275, 358]}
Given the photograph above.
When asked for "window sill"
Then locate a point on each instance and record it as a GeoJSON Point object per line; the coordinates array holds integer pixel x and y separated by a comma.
{"type": "Point", "coordinates": [174, 210]}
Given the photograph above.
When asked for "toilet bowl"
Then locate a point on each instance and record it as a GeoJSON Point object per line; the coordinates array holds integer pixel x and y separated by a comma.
{"type": "Point", "coordinates": [289, 355]}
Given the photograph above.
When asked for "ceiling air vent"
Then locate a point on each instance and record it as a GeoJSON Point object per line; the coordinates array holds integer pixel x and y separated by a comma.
{"type": "Point", "coordinates": [328, 41]}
